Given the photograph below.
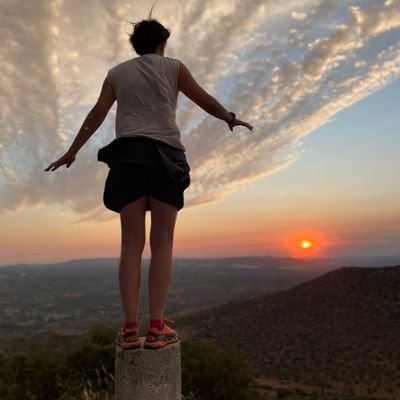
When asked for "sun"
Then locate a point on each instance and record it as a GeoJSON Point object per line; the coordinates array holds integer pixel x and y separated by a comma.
{"type": "Point", "coordinates": [306, 244]}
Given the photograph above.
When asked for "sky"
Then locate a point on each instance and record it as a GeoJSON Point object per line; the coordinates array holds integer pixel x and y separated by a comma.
{"type": "Point", "coordinates": [317, 79]}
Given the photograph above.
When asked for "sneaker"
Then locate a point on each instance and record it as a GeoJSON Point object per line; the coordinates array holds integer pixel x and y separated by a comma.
{"type": "Point", "coordinates": [159, 338]}
{"type": "Point", "coordinates": [128, 339]}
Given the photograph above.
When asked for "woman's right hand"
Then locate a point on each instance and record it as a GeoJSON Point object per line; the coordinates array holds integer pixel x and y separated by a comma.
{"type": "Point", "coordinates": [68, 158]}
{"type": "Point", "coordinates": [237, 122]}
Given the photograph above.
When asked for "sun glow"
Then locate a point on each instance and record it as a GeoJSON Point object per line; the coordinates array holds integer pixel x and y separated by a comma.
{"type": "Point", "coordinates": [306, 244]}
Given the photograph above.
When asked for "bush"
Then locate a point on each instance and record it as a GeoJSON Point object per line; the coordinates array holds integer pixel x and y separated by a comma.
{"type": "Point", "coordinates": [44, 375]}
{"type": "Point", "coordinates": [32, 376]}
{"type": "Point", "coordinates": [85, 372]}
{"type": "Point", "coordinates": [210, 373]}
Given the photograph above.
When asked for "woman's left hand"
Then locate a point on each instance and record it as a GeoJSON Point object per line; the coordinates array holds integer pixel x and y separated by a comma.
{"type": "Point", "coordinates": [67, 158]}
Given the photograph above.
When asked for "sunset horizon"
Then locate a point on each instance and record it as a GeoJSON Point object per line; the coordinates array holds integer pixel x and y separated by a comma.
{"type": "Point", "coordinates": [319, 83]}
{"type": "Point", "coordinates": [200, 199]}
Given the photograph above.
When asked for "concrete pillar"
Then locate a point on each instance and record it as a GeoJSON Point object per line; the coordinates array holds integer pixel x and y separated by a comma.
{"type": "Point", "coordinates": [148, 374]}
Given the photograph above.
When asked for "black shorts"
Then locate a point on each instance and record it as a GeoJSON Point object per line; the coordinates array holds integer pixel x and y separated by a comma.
{"type": "Point", "coordinates": [128, 182]}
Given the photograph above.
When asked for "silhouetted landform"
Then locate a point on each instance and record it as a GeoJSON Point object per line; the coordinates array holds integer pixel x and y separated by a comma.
{"type": "Point", "coordinates": [339, 332]}
{"type": "Point", "coordinates": [309, 334]}
{"type": "Point", "coordinates": [67, 298]}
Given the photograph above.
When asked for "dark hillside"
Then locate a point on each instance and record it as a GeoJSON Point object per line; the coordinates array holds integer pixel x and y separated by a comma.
{"type": "Point", "coordinates": [342, 327]}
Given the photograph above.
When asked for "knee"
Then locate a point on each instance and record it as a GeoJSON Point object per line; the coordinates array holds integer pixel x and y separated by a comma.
{"type": "Point", "coordinates": [134, 243]}
{"type": "Point", "coordinates": [161, 241]}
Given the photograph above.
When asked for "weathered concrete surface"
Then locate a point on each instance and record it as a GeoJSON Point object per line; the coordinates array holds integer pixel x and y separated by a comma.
{"type": "Point", "coordinates": [148, 374]}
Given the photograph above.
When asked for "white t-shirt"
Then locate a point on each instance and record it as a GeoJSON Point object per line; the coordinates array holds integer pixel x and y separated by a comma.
{"type": "Point", "coordinates": [146, 88]}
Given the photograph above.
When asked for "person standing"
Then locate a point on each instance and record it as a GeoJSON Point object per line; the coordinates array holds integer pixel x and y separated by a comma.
{"type": "Point", "coordinates": [148, 168]}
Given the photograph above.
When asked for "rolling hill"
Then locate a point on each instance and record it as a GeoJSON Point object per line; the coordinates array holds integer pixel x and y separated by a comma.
{"type": "Point", "coordinates": [340, 330]}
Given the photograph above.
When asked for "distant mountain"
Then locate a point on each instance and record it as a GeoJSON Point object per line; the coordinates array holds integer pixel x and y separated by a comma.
{"type": "Point", "coordinates": [339, 330]}
{"type": "Point", "coordinates": [265, 260]}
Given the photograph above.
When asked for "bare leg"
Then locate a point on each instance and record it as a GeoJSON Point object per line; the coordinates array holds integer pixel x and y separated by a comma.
{"type": "Point", "coordinates": [133, 237]}
{"type": "Point", "coordinates": [163, 218]}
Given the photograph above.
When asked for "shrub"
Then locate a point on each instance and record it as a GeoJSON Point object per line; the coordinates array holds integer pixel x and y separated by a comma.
{"type": "Point", "coordinates": [211, 373]}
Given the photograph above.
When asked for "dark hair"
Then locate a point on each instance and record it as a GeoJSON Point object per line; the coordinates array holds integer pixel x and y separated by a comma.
{"type": "Point", "coordinates": [147, 35]}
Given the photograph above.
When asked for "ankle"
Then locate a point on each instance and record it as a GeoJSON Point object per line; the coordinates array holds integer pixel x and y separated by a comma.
{"type": "Point", "coordinates": [156, 323]}
{"type": "Point", "coordinates": [131, 325]}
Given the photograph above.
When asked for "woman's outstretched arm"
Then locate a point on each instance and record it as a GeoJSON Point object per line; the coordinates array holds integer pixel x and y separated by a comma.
{"type": "Point", "coordinates": [190, 88]}
{"type": "Point", "coordinates": [91, 123]}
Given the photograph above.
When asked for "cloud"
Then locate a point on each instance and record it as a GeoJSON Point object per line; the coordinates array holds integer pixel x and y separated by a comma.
{"type": "Point", "coordinates": [298, 15]}
{"type": "Point", "coordinates": [286, 67]}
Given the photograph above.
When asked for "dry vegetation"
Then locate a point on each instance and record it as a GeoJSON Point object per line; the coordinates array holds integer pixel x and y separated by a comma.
{"type": "Point", "coordinates": [338, 333]}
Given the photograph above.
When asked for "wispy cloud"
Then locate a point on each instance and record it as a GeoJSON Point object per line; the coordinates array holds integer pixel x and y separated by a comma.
{"type": "Point", "coordinates": [287, 67]}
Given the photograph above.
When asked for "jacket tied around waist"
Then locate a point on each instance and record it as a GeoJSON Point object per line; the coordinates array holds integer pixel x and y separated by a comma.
{"type": "Point", "coordinates": [135, 150]}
